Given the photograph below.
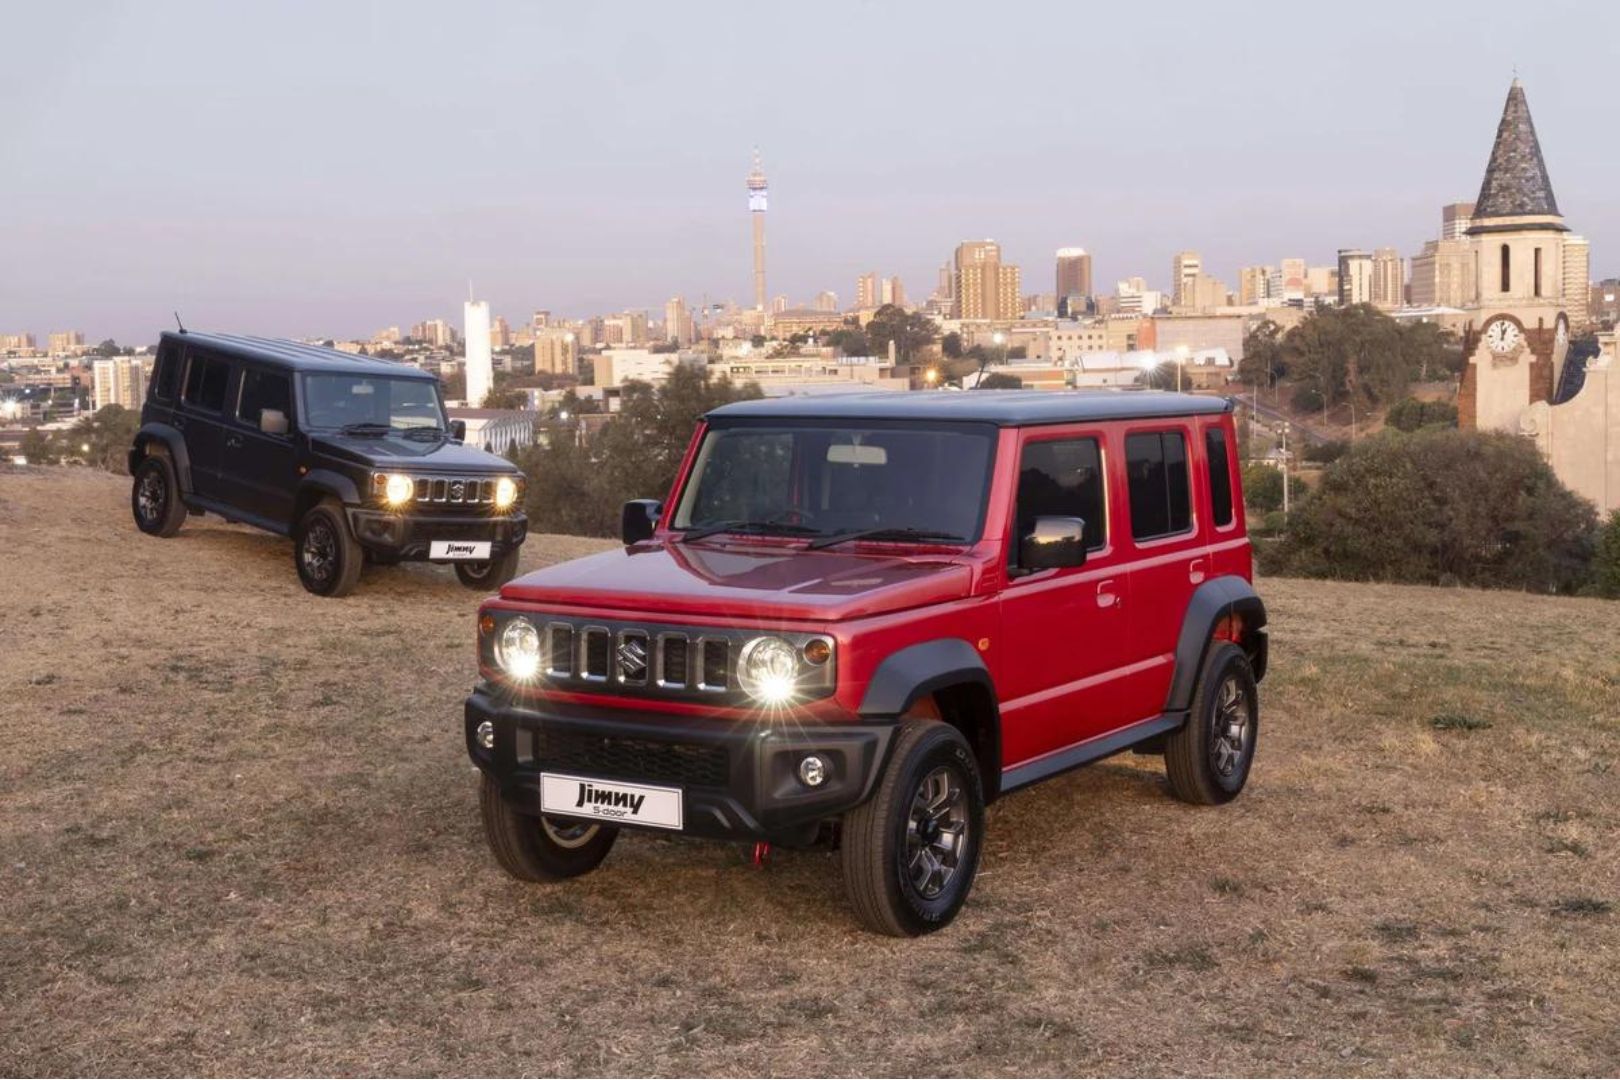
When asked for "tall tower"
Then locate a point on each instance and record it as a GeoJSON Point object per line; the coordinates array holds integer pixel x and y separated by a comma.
{"type": "Point", "coordinates": [480, 370]}
{"type": "Point", "coordinates": [756, 210]}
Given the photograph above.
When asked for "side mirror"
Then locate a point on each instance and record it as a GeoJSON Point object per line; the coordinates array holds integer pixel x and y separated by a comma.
{"type": "Point", "coordinates": [637, 520]}
{"type": "Point", "coordinates": [272, 421]}
{"type": "Point", "coordinates": [458, 430]}
{"type": "Point", "coordinates": [1053, 544]}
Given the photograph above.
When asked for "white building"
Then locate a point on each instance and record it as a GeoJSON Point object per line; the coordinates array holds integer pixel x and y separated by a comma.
{"type": "Point", "coordinates": [119, 380]}
{"type": "Point", "coordinates": [616, 366]}
{"type": "Point", "coordinates": [496, 430]}
{"type": "Point", "coordinates": [480, 366]}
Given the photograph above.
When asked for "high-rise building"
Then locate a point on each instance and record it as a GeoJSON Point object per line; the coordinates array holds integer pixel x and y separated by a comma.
{"type": "Point", "coordinates": [434, 332]}
{"type": "Point", "coordinates": [119, 380]}
{"type": "Point", "coordinates": [1293, 281]}
{"type": "Point", "coordinates": [1443, 274]}
{"type": "Point", "coordinates": [541, 320]}
{"type": "Point", "coordinates": [1185, 266]}
{"type": "Point", "coordinates": [1388, 286]}
{"type": "Point", "coordinates": [827, 301]}
{"type": "Point", "coordinates": [866, 291]}
{"type": "Point", "coordinates": [1133, 297]}
{"type": "Point", "coordinates": [17, 343]}
{"type": "Point", "coordinates": [1355, 276]}
{"type": "Point", "coordinates": [1455, 218]}
{"type": "Point", "coordinates": [677, 321]}
{"type": "Point", "coordinates": [985, 287]}
{"type": "Point", "coordinates": [555, 352]}
{"type": "Point", "coordinates": [893, 292]}
{"type": "Point", "coordinates": [1073, 276]}
{"type": "Point", "coordinates": [500, 333]}
{"type": "Point", "coordinates": [479, 366]}
{"type": "Point", "coordinates": [1254, 284]}
{"type": "Point", "coordinates": [65, 342]}
{"type": "Point", "coordinates": [756, 210]}
{"type": "Point", "coordinates": [1577, 280]}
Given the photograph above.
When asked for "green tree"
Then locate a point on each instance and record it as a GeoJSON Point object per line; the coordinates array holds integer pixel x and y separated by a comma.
{"type": "Point", "coordinates": [505, 398]}
{"type": "Point", "coordinates": [39, 448]}
{"type": "Point", "coordinates": [1263, 361]}
{"type": "Point", "coordinates": [1440, 507]}
{"type": "Point", "coordinates": [109, 434]}
{"type": "Point", "coordinates": [1606, 561]}
{"type": "Point", "coordinates": [1262, 487]}
{"type": "Point", "coordinates": [1409, 414]}
{"type": "Point", "coordinates": [849, 341]}
{"type": "Point", "coordinates": [951, 345]}
{"type": "Point", "coordinates": [911, 332]}
{"type": "Point", "coordinates": [107, 348]}
{"type": "Point", "coordinates": [1000, 380]}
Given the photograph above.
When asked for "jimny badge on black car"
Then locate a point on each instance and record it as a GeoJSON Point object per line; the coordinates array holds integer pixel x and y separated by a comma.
{"type": "Point", "coordinates": [353, 457]}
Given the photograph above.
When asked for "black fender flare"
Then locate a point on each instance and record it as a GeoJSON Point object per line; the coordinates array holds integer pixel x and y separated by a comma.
{"type": "Point", "coordinates": [1211, 602]}
{"type": "Point", "coordinates": [173, 441]}
{"type": "Point", "coordinates": [916, 671]}
{"type": "Point", "coordinates": [320, 483]}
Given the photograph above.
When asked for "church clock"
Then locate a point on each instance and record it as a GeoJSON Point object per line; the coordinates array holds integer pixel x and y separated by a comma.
{"type": "Point", "coordinates": [1503, 337]}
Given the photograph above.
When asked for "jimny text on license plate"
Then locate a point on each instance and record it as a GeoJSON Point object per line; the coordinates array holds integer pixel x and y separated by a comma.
{"type": "Point", "coordinates": [610, 801]}
{"type": "Point", "coordinates": [458, 549]}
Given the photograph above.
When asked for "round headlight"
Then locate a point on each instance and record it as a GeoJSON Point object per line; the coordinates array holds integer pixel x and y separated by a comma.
{"type": "Point", "coordinates": [769, 670]}
{"type": "Point", "coordinates": [518, 649]}
{"type": "Point", "coordinates": [398, 489]}
{"type": "Point", "coordinates": [505, 493]}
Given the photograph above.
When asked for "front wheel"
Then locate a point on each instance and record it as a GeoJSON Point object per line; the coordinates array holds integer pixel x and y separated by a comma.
{"type": "Point", "coordinates": [328, 559]}
{"type": "Point", "coordinates": [540, 848]}
{"type": "Point", "coordinates": [1208, 759]}
{"type": "Point", "coordinates": [489, 574]}
{"type": "Point", "coordinates": [155, 498]}
{"type": "Point", "coordinates": [910, 852]}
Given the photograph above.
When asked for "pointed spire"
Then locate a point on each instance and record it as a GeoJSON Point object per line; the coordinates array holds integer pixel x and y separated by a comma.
{"type": "Point", "coordinates": [1516, 183]}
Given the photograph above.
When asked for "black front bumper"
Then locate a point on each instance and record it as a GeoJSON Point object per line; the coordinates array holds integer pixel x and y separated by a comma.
{"type": "Point", "coordinates": [739, 778]}
{"type": "Point", "coordinates": [409, 536]}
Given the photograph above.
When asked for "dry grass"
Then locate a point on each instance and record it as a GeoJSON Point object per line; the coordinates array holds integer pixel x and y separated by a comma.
{"type": "Point", "coordinates": [239, 835]}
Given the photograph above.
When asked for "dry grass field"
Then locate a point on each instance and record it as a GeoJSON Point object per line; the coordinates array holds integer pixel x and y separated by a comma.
{"type": "Point", "coordinates": [239, 834]}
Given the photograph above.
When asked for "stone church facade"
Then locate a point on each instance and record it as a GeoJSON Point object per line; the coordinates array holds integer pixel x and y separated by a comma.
{"type": "Point", "coordinates": [1516, 343]}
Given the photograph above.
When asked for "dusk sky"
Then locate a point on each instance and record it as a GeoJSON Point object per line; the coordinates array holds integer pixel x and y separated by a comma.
{"type": "Point", "coordinates": [332, 168]}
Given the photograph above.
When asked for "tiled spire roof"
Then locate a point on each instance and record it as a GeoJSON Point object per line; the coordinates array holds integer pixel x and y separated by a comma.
{"type": "Point", "coordinates": [1516, 183]}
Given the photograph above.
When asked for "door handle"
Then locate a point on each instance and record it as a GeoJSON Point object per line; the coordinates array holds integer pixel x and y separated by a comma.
{"type": "Point", "coordinates": [1106, 596]}
{"type": "Point", "coordinates": [233, 442]}
{"type": "Point", "coordinates": [179, 421]}
{"type": "Point", "coordinates": [1195, 571]}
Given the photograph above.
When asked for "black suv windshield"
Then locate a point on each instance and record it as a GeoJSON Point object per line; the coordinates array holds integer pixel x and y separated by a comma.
{"type": "Point", "coordinates": [371, 402]}
{"type": "Point", "coordinates": [900, 481]}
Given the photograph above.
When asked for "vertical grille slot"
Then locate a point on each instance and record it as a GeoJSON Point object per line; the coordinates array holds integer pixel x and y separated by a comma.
{"type": "Point", "coordinates": [713, 658]}
{"type": "Point", "coordinates": [559, 649]}
{"type": "Point", "coordinates": [595, 647]}
{"type": "Point", "coordinates": [424, 489]}
{"type": "Point", "coordinates": [440, 490]}
{"type": "Point", "coordinates": [674, 660]}
{"type": "Point", "coordinates": [633, 657]}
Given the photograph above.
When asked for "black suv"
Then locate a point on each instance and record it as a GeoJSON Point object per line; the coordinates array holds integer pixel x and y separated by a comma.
{"type": "Point", "coordinates": [352, 457]}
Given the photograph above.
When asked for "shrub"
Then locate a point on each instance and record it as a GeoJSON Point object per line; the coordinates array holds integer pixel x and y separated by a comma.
{"type": "Point", "coordinates": [1325, 453]}
{"type": "Point", "coordinates": [1262, 487]}
{"type": "Point", "coordinates": [1606, 562]}
{"type": "Point", "coordinates": [1443, 506]}
{"type": "Point", "coordinates": [1410, 414]}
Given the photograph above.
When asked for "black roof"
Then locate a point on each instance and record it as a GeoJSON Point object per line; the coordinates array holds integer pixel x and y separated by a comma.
{"type": "Point", "coordinates": [298, 356]}
{"type": "Point", "coordinates": [1516, 183]}
{"type": "Point", "coordinates": [1006, 408]}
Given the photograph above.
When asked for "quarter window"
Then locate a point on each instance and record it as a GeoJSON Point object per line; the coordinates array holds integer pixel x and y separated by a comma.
{"type": "Point", "coordinates": [263, 390]}
{"type": "Point", "coordinates": [168, 373]}
{"type": "Point", "coordinates": [1220, 477]}
{"type": "Point", "coordinates": [1156, 468]}
{"type": "Point", "coordinates": [205, 382]}
{"type": "Point", "coordinates": [1062, 478]}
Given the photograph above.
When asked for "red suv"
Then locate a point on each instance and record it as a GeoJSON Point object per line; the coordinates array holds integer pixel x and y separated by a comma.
{"type": "Point", "coordinates": [870, 615]}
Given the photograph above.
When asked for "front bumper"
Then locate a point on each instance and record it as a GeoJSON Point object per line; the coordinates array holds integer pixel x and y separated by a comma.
{"type": "Point", "coordinates": [738, 778]}
{"type": "Point", "coordinates": [408, 535]}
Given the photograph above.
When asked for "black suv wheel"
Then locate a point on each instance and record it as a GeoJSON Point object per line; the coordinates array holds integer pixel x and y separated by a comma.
{"type": "Point", "coordinates": [327, 557]}
{"type": "Point", "coordinates": [490, 574]}
{"type": "Point", "coordinates": [1208, 759]}
{"type": "Point", "coordinates": [540, 848]}
{"type": "Point", "coordinates": [911, 851]}
{"type": "Point", "coordinates": [154, 498]}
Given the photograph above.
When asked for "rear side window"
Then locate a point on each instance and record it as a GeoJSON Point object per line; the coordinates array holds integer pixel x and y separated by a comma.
{"type": "Point", "coordinates": [1156, 465]}
{"type": "Point", "coordinates": [205, 382]}
{"type": "Point", "coordinates": [263, 390]}
{"type": "Point", "coordinates": [1062, 478]}
{"type": "Point", "coordinates": [167, 377]}
{"type": "Point", "coordinates": [1220, 477]}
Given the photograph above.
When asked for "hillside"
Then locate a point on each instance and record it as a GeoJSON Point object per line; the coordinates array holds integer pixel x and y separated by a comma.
{"type": "Point", "coordinates": [240, 835]}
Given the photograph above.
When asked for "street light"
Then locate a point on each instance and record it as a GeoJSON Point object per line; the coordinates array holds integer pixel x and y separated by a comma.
{"type": "Point", "coordinates": [1181, 362]}
{"type": "Point", "coordinates": [1285, 469]}
{"type": "Point", "coordinates": [931, 376]}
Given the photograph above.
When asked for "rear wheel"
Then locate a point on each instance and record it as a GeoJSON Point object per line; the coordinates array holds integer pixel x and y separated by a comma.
{"type": "Point", "coordinates": [328, 559]}
{"type": "Point", "coordinates": [541, 848]}
{"type": "Point", "coordinates": [1208, 759]}
{"type": "Point", "coordinates": [154, 498]}
{"type": "Point", "coordinates": [910, 852]}
{"type": "Point", "coordinates": [490, 573]}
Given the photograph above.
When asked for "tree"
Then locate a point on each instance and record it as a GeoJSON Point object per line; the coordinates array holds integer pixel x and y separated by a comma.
{"type": "Point", "coordinates": [1263, 362]}
{"type": "Point", "coordinates": [849, 341]}
{"type": "Point", "coordinates": [758, 341]}
{"type": "Point", "coordinates": [1262, 487]}
{"type": "Point", "coordinates": [505, 398]}
{"type": "Point", "coordinates": [1409, 414]}
{"type": "Point", "coordinates": [911, 332]}
{"type": "Point", "coordinates": [107, 348]}
{"type": "Point", "coordinates": [109, 434]}
{"type": "Point", "coordinates": [1444, 507]}
{"type": "Point", "coordinates": [1000, 380]}
{"type": "Point", "coordinates": [38, 448]}
{"type": "Point", "coordinates": [1606, 562]}
{"type": "Point", "coordinates": [951, 345]}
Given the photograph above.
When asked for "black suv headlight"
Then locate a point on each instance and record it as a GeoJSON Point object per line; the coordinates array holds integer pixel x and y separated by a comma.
{"type": "Point", "coordinates": [508, 490]}
{"type": "Point", "coordinates": [393, 490]}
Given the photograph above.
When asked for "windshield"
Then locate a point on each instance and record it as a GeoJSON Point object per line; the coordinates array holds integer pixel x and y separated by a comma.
{"type": "Point", "coordinates": [380, 402]}
{"type": "Point", "coordinates": [914, 481]}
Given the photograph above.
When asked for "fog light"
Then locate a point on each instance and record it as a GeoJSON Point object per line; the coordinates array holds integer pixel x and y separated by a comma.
{"type": "Point", "coordinates": [486, 735]}
{"type": "Point", "coordinates": [813, 771]}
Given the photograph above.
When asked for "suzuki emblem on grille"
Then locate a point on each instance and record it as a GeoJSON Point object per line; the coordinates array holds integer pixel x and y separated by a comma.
{"type": "Point", "coordinates": [457, 490]}
{"type": "Point", "coordinates": [632, 659]}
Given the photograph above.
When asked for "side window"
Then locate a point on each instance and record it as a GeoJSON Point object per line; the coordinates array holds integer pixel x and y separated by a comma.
{"type": "Point", "coordinates": [1220, 476]}
{"type": "Point", "coordinates": [206, 379]}
{"type": "Point", "coordinates": [1062, 478]}
{"type": "Point", "coordinates": [1156, 467]}
{"type": "Point", "coordinates": [263, 390]}
{"type": "Point", "coordinates": [167, 380]}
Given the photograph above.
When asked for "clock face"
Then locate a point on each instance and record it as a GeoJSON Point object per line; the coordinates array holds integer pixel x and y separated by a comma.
{"type": "Point", "coordinates": [1503, 337]}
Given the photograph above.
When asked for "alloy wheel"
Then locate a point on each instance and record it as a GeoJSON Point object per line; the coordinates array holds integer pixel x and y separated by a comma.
{"type": "Point", "coordinates": [151, 497]}
{"type": "Point", "coordinates": [936, 832]}
{"type": "Point", "coordinates": [319, 552]}
{"type": "Point", "coordinates": [1230, 727]}
{"type": "Point", "coordinates": [566, 833]}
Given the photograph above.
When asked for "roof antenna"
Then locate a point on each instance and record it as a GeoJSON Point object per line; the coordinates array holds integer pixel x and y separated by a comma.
{"type": "Point", "coordinates": [178, 323]}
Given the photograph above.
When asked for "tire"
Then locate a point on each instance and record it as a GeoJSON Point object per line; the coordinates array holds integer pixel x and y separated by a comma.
{"type": "Point", "coordinates": [1209, 757]}
{"type": "Point", "coordinates": [534, 848]}
{"type": "Point", "coordinates": [490, 574]}
{"type": "Point", "coordinates": [154, 498]}
{"type": "Point", "coordinates": [327, 557]}
{"type": "Point", "coordinates": [887, 877]}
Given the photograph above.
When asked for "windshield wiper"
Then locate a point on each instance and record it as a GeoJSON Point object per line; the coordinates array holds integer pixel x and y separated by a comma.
{"type": "Point", "coordinates": [424, 432]}
{"type": "Point", "coordinates": [883, 534]}
{"type": "Point", "coordinates": [783, 527]}
{"type": "Point", "coordinates": [367, 427]}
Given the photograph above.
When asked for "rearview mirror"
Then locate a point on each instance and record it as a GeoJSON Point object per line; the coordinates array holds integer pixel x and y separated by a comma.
{"type": "Point", "coordinates": [856, 454]}
{"type": "Point", "coordinates": [458, 430]}
{"type": "Point", "coordinates": [638, 519]}
{"type": "Point", "coordinates": [272, 421]}
{"type": "Point", "coordinates": [1053, 544]}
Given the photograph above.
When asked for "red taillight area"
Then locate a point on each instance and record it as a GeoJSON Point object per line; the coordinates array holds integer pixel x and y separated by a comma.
{"type": "Point", "coordinates": [1230, 628]}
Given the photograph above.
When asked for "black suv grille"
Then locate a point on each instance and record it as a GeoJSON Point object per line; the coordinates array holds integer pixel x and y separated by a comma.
{"type": "Point", "coordinates": [456, 490]}
{"type": "Point", "coordinates": [646, 760]}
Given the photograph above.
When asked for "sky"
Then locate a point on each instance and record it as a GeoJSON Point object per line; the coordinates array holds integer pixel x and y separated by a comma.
{"type": "Point", "coordinates": [331, 168]}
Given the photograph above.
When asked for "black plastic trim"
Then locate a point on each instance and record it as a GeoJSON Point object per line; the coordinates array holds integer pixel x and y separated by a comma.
{"type": "Point", "coordinates": [1084, 753]}
{"type": "Point", "coordinates": [1211, 602]}
{"type": "Point", "coordinates": [919, 670]}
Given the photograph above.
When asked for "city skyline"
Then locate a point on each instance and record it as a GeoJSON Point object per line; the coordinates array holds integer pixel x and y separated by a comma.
{"type": "Point", "coordinates": [302, 207]}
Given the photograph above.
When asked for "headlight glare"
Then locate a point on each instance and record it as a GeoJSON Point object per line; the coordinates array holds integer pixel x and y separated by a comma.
{"type": "Point", "coordinates": [518, 649]}
{"type": "Point", "coordinates": [506, 493]}
{"type": "Point", "coordinates": [768, 669]}
{"type": "Point", "coordinates": [397, 488]}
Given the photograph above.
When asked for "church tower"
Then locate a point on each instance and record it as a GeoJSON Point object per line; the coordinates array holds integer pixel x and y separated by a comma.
{"type": "Point", "coordinates": [1516, 339]}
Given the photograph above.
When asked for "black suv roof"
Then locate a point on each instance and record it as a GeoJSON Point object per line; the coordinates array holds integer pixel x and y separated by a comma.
{"type": "Point", "coordinates": [298, 356]}
{"type": "Point", "coordinates": [1007, 408]}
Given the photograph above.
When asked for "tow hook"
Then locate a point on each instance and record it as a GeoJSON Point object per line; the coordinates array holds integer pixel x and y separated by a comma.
{"type": "Point", "coordinates": [762, 852]}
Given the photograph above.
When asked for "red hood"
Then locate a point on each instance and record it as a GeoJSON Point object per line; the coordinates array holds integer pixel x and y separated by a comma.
{"type": "Point", "coordinates": [753, 580]}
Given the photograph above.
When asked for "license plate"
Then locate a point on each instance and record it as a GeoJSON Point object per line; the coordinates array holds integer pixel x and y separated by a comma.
{"type": "Point", "coordinates": [458, 549]}
{"type": "Point", "coordinates": [610, 800]}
